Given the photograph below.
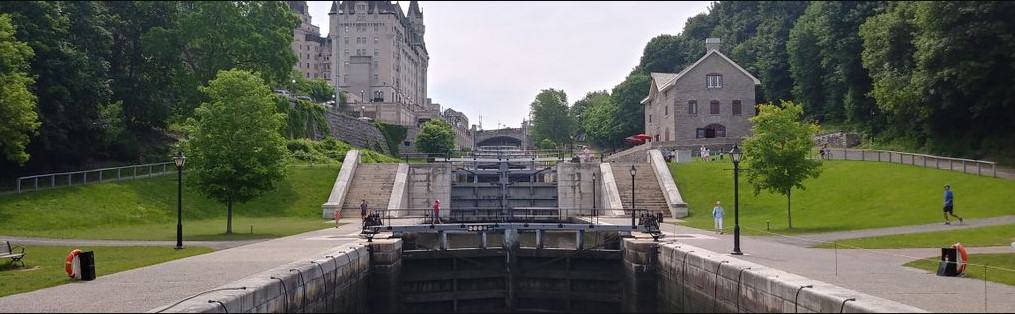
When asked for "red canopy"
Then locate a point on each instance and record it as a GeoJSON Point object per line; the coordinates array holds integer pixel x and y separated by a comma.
{"type": "Point", "coordinates": [632, 140]}
{"type": "Point", "coordinates": [642, 136]}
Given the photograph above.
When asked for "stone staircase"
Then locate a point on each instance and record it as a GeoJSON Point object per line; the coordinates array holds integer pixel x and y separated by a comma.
{"type": "Point", "coordinates": [647, 193]}
{"type": "Point", "coordinates": [373, 183]}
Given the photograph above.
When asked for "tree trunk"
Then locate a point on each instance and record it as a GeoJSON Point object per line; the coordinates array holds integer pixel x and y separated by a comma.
{"type": "Point", "coordinates": [789, 212]}
{"type": "Point", "coordinates": [229, 217]}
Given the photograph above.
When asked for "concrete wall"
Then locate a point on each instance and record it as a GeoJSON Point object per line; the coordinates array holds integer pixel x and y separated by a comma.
{"type": "Point", "coordinates": [575, 188]}
{"type": "Point", "coordinates": [611, 194]}
{"type": "Point", "coordinates": [677, 206]}
{"type": "Point", "coordinates": [636, 153]}
{"type": "Point", "coordinates": [692, 279]}
{"type": "Point", "coordinates": [330, 284]}
{"type": "Point", "coordinates": [341, 186]}
{"type": "Point", "coordinates": [400, 190]}
{"type": "Point", "coordinates": [427, 182]}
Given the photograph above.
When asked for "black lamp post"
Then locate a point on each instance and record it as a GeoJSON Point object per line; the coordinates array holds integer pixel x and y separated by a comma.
{"type": "Point", "coordinates": [633, 210]}
{"type": "Point", "coordinates": [595, 211]}
{"type": "Point", "coordinates": [180, 161]}
{"type": "Point", "coordinates": [735, 155]}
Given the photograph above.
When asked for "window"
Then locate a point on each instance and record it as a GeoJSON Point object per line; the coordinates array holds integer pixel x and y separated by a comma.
{"type": "Point", "coordinates": [377, 52]}
{"type": "Point", "coordinates": [649, 118]}
{"type": "Point", "coordinates": [692, 107]}
{"type": "Point", "coordinates": [714, 107]}
{"type": "Point", "coordinates": [713, 81]}
{"type": "Point", "coordinates": [407, 143]}
{"type": "Point", "coordinates": [737, 110]}
{"type": "Point", "coordinates": [666, 110]}
{"type": "Point", "coordinates": [699, 133]}
{"type": "Point", "coordinates": [376, 40]}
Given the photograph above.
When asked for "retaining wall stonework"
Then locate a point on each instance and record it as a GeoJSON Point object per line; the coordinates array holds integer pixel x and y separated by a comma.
{"type": "Point", "coordinates": [330, 284]}
{"type": "Point", "coordinates": [692, 279]}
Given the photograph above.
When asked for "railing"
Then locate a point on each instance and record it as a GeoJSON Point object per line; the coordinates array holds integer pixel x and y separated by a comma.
{"type": "Point", "coordinates": [64, 179]}
{"type": "Point", "coordinates": [982, 167]}
{"type": "Point", "coordinates": [526, 214]}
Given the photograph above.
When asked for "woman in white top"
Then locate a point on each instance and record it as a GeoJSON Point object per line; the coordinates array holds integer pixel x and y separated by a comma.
{"type": "Point", "coordinates": [717, 215]}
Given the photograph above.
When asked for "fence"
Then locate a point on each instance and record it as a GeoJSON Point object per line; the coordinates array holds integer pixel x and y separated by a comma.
{"type": "Point", "coordinates": [64, 179]}
{"type": "Point", "coordinates": [954, 164]}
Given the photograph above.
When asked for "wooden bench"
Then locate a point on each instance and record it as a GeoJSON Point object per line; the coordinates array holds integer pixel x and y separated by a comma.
{"type": "Point", "coordinates": [7, 251]}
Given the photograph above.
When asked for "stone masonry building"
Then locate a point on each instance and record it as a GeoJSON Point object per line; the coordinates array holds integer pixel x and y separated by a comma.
{"type": "Point", "coordinates": [313, 52]}
{"type": "Point", "coordinates": [708, 103]}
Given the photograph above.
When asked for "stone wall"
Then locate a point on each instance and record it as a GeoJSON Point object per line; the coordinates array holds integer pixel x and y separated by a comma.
{"type": "Point", "coordinates": [691, 279]}
{"type": "Point", "coordinates": [342, 184]}
{"type": "Point", "coordinates": [838, 139]}
{"type": "Point", "coordinates": [356, 132]}
{"type": "Point", "coordinates": [575, 188]}
{"type": "Point", "coordinates": [337, 283]}
{"type": "Point", "coordinates": [427, 182]}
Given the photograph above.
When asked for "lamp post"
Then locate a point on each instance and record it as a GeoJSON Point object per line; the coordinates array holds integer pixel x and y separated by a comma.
{"type": "Point", "coordinates": [361, 108]}
{"type": "Point", "coordinates": [180, 161]}
{"type": "Point", "coordinates": [595, 211]}
{"type": "Point", "coordinates": [633, 211]}
{"type": "Point", "coordinates": [292, 89]}
{"type": "Point", "coordinates": [735, 156]}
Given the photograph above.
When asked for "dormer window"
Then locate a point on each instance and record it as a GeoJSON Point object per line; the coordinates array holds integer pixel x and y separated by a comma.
{"type": "Point", "coordinates": [713, 81]}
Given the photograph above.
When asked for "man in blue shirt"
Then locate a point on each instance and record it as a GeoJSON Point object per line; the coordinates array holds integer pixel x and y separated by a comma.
{"type": "Point", "coordinates": [949, 206]}
{"type": "Point", "coordinates": [717, 215]}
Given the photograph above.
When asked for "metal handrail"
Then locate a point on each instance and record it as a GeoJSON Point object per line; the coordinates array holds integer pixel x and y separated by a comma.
{"type": "Point", "coordinates": [151, 167]}
{"type": "Point", "coordinates": [877, 156]}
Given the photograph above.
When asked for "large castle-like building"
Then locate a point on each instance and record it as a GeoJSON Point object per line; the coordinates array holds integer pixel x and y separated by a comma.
{"type": "Point", "coordinates": [376, 56]}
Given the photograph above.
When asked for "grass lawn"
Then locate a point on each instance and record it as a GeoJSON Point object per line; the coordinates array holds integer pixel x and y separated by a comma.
{"type": "Point", "coordinates": [1000, 267]}
{"type": "Point", "coordinates": [146, 210]}
{"type": "Point", "coordinates": [1002, 235]}
{"type": "Point", "coordinates": [44, 265]}
{"type": "Point", "coordinates": [849, 195]}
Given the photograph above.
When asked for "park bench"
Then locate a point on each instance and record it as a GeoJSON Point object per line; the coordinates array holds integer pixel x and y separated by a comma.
{"type": "Point", "coordinates": [7, 251]}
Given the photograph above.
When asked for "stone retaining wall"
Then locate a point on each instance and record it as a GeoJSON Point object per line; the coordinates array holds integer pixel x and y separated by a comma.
{"type": "Point", "coordinates": [356, 132]}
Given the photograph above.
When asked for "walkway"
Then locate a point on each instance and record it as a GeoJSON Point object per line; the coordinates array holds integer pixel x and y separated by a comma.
{"type": "Point", "coordinates": [146, 288]}
{"type": "Point", "coordinates": [875, 272]}
{"type": "Point", "coordinates": [810, 240]}
{"type": "Point", "coordinates": [215, 245]}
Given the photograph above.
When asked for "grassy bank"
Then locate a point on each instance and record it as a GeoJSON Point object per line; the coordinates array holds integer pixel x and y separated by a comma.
{"type": "Point", "coordinates": [44, 265]}
{"type": "Point", "coordinates": [146, 210]}
{"type": "Point", "coordinates": [1000, 267]}
{"type": "Point", "coordinates": [849, 195]}
{"type": "Point", "coordinates": [1002, 235]}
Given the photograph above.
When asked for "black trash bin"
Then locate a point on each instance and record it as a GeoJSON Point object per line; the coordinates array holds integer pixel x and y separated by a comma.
{"type": "Point", "coordinates": [87, 260]}
{"type": "Point", "coordinates": [948, 266]}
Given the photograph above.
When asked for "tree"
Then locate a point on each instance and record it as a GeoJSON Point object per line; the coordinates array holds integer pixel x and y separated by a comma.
{"type": "Point", "coordinates": [235, 150]}
{"type": "Point", "coordinates": [777, 152]}
{"type": "Point", "coordinates": [547, 144]}
{"type": "Point", "coordinates": [436, 137]}
{"type": "Point", "coordinates": [627, 96]}
{"type": "Point", "coordinates": [319, 90]}
{"type": "Point", "coordinates": [551, 117]}
{"type": "Point", "coordinates": [17, 103]}
{"type": "Point", "coordinates": [598, 119]}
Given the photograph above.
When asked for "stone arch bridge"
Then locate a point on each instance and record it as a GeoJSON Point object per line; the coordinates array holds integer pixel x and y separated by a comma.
{"type": "Point", "coordinates": [518, 137]}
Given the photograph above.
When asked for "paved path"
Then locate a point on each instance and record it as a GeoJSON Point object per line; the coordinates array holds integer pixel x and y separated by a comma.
{"type": "Point", "coordinates": [810, 240]}
{"type": "Point", "coordinates": [875, 272]}
{"type": "Point", "coordinates": [146, 288]}
{"type": "Point", "coordinates": [216, 245]}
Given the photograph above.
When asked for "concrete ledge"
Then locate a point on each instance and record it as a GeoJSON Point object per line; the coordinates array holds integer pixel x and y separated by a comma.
{"type": "Point", "coordinates": [677, 206]}
{"type": "Point", "coordinates": [341, 186]}
{"type": "Point", "coordinates": [399, 191]}
{"type": "Point", "coordinates": [329, 284]}
{"type": "Point", "coordinates": [611, 194]}
{"type": "Point", "coordinates": [693, 279]}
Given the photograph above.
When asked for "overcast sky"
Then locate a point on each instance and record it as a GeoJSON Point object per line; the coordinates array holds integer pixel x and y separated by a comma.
{"type": "Point", "coordinates": [492, 58]}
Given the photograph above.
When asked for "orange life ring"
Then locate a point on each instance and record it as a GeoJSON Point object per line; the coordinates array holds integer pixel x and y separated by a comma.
{"type": "Point", "coordinates": [963, 256]}
{"type": "Point", "coordinates": [72, 265]}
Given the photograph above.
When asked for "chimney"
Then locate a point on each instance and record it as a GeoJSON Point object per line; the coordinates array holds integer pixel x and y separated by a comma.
{"type": "Point", "coordinates": [712, 44]}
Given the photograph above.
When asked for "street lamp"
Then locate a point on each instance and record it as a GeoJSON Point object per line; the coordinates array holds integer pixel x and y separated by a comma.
{"type": "Point", "coordinates": [735, 155]}
{"type": "Point", "coordinates": [595, 211]}
{"type": "Point", "coordinates": [180, 161]}
{"type": "Point", "coordinates": [361, 108]}
{"type": "Point", "coordinates": [293, 88]}
{"type": "Point", "coordinates": [633, 210]}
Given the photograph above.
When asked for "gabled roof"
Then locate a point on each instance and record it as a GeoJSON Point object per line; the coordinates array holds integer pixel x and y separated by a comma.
{"type": "Point", "coordinates": [664, 81]}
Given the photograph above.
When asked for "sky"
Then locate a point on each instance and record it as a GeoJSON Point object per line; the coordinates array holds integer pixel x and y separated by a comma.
{"type": "Point", "coordinates": [490, 59]}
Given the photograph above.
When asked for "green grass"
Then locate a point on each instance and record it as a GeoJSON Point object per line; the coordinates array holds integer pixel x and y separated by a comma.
{"type": "Point", "coordinates": [146, 210]}
{"type": "Point", "coordinates": [1002, 235]}
{"type": "Point", "coordinates": [44, 265]}
{"type": "Point", "coordinates": [849, 195]}
{"type": "Point", "coordinates": [1000, 267]}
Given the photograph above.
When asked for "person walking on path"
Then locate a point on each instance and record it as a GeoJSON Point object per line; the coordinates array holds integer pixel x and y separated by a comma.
{"type": "Point", "coordinates": [717, 215]}
{"type": "Point", "coordinates": [949, 205]}
{"type": "Point", "coordinates": [363, 209]}
{"type": "Point", "coordinates": [436, 212]}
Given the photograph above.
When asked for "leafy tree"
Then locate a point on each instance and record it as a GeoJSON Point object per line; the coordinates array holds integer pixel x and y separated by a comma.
{"type": "Point", "coordinates": [888, 55]}
{"type": "Point", "coordinates": [436, 137]}
{"type": "Point", "coordinates": [551, 117]}
{"type": "Point", "coordinates": [217, 35]}
{"type": "Point", "coordinates": [17, 103]}
{"type": "Point", "coordinates": [627, 96]}
{"type": "Point", "coordinates": [777, 152]}
{"type": "Point", "coordinates": [235, 149]}
{"type": "Point", "coordinates": [319, 90]}
{"type": "Point", "coordinates": [547, 144]}
{"type": "Point", "coordinates": [598, 119]}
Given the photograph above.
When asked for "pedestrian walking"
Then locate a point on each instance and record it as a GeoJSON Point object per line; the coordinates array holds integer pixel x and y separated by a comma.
{"type": "Point", "coordinates": [717, 215]}
{"type": "Point", "coordinates": [949, 205]}
{"type": "Point", "coordinates": [436, 212]}
{"type": "Point", "coordinates": [363, 208]}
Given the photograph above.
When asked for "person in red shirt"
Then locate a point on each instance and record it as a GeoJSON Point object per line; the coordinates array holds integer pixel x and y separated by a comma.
{"type": "Point", "coordinates": [436, 212]}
